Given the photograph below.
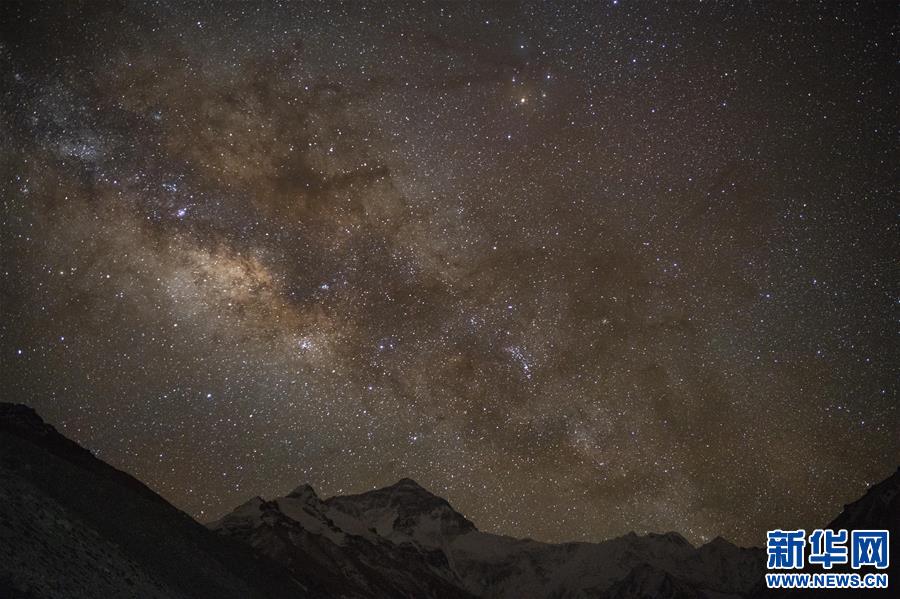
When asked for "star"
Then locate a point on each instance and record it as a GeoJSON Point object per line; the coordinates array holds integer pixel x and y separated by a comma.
{"type": "Point", "coordinates": [263, 243]}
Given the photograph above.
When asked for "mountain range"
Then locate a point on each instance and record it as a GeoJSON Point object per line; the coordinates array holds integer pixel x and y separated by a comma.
{"type": "Point", "coordinates": [72, 526]}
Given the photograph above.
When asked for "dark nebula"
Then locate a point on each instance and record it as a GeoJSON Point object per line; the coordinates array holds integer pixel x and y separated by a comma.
{"type": "Point", "coordinates": [579, 269]}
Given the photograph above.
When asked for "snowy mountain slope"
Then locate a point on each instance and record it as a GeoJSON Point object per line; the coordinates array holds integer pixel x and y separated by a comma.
{"type": "Point", "coordinates": [406, 517]}
{"type": "Point", "coordinates": [298, 532]}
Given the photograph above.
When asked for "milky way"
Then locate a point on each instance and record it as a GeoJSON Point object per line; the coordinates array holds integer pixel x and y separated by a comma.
{"type": "Point", "coordinates": [579, 270]}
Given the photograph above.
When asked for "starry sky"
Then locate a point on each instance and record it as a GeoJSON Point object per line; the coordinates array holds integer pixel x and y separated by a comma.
{"type": "Point", "coordinates": [579, 268]}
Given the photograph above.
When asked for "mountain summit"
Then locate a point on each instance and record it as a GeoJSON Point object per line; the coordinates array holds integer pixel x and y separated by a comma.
{"type": "Point", "coordinates": [404, 511]}
{"type": "Point", "coordinates": [349, 545]}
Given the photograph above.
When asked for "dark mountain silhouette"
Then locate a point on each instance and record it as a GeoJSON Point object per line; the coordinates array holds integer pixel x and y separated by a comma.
{"type": "Point", "coordinates": [879, 508]}
{"type": "Point", "coordinates": [73, 526]}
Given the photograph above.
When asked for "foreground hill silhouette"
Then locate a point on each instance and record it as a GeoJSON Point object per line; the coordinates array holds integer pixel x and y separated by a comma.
{"type": "Point", "coordinates": [73, 526]}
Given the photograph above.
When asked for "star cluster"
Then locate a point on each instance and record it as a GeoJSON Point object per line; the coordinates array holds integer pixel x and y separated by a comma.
{"type": "Point", "coordinates": [580, 269]}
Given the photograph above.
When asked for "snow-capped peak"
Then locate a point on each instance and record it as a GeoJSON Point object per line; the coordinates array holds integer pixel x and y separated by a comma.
{"type": "Point", "coordinates": [304, 493]}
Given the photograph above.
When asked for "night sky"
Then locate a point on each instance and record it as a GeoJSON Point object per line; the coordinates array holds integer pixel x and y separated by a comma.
{"type": "Point", "coordinates": [580, 270]}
